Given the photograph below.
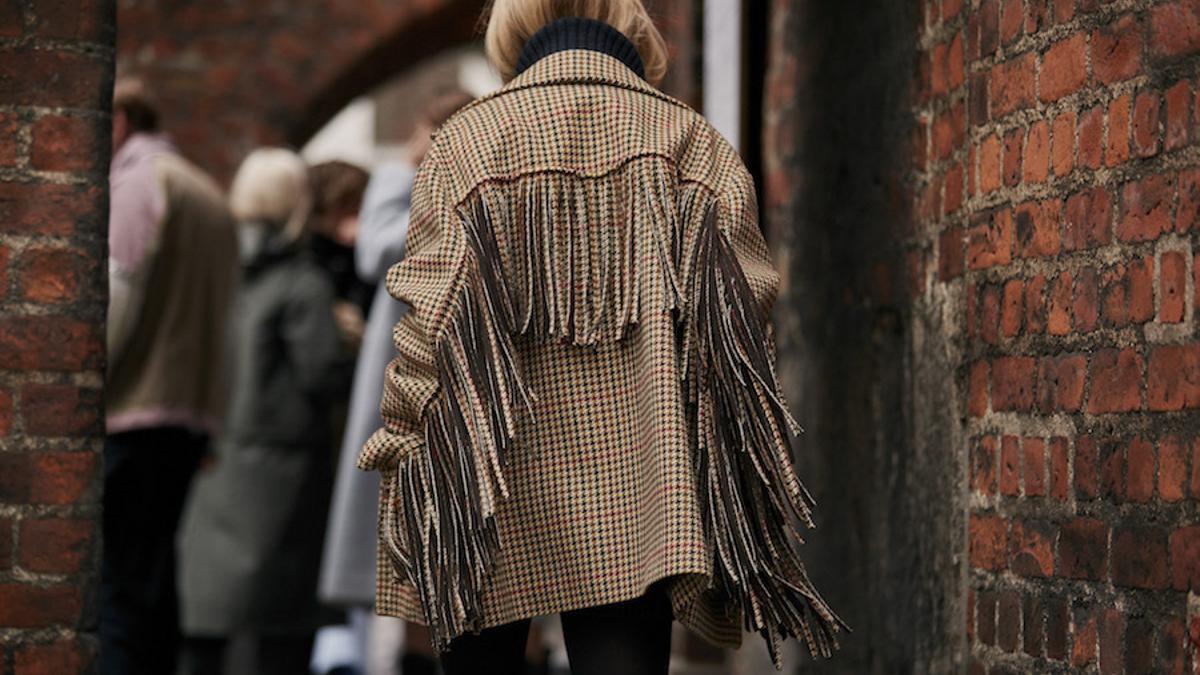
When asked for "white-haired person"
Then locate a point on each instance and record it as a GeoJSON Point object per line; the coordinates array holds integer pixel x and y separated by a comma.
{"type": "Point", "coordinates": [583, 418]}
{"type": "Point", "coordinates": [251, 544]}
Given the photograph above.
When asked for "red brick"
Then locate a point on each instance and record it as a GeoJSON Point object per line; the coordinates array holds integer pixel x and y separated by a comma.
{"type": "Point", "coordinates": [1146, 124]}
{"type": "Point", "coordinates": [6, 412]}
{"type": "Point", "coordinates": [55, 545]}
{"type": "Point", "coordinates": [1112, 637]}
{"type": "Point", "coordinates": [1060, 383]}
{"type": "Point", "coordinates": [1185, 558]}
{"type": "Point", "coordinates": [983, 465]}
{"type": "Point", "coordinates": [66, 656]}
{"type": "Point", "coordinates": [1085, 309]}
{"type": "Point", "coordinates": [972, 293]}
{"type": "Point", "coordinates": [1139, 647]}
{"type": "Point", "coordinates": [1145, 208]}
{"type": "Point", "coordinates": [67, 143]}
{"type": "Point", "coordinates": [977, 113]}
{"type": "Point", "coordinates": [1012, 84]}
{"type": "Point", "coordinates": [985, 626]}
{"type": "Point", "coordinates": [51, 78]}
{"type": "Point", "coordinates": [1058, 624]}
{"type": "Point", "coordinates": [1083, 549]}
{"type": "Point", "coordinates": [953, 188]}
{"type": "Point", "coordinates": [1178, 114]}
{"type": "Point", "coordinates": [955, 70]}
{"type": "Point", "coordinates": [1035, 304]}
{"type": "Point", "coordinates": [1008, 621]}
{"type": "Point", "coordinates": [1117, 50]}
{"type": "Point", "coordinates": [970, 623]}
{"type": "Point", "coordinates": [1189, 203]}
{"type": "Point", "coordinates": [71, 21]}
{"type": "Point", "coordinates": [52, 276]}
{"type": "Point", "coordinates": [1012, 383]}
{"type": "Point", "coordinates": [1036, 166]}
{"type": "Point", "coordinates": [1173, 378]}
{"type": "Point", "coordinates": [1141, 289]}
{"type": "Point", "coordinates": [951, 8]}
{"type": "Point", "coordinates": [1139, 557]}
{"type": "Point", "coordinates": [1175, 28]}
{"type": "Point", "coordinates": [948, 131]}
{"type": "Point", "coordinates": [1037, 228]}
{"type": "Point", "coordinates": [62, 477]}
{"type": "Point", "coordinates": [989, 315]}
{"type": "Point", "coordinates": [1139, 476]}
{"type": "Point", "coordinates": [1010, 466]}
{"type": "Point", "coordinates": [1116, 381]}
{"type": "Point", "coordinates": [1172, 469]}
{"type": "Point", "coordinates": [24, 605]}
{"type": "Point", "coordinates": [989, 164]}
{"type": "Point", "coordinates": [989, 26]}
{"type": "Point", "coordinates": [1111, 458]}
{"type": "Point", "coordinates": [1031, 548]}
{"type": "Point", "coordinates": [1013, 141]}
{"type": "Point", "coordinates": [990, 242]}
{"type": "Point", "coordinates": [1116, 151]}
{"type": "Point", "coordinates": [1086, 219]}
{"type": "Point", "coordinates": [1037, 16]}
{"type": "Point", "coordinates": [6, 544]}
{"type": "Point", "coordinates": [1012, 16]}
{"type": "Point", "coordinates": [1196, 469]}
{"type": "Point", "coordinates": [1172, 285]}
{"type": "Point", "coordinates": [950, 253]}
{"type": "Point", "coordinates": [1171, 651]}
{"type": "Point", "coordinates": [46, 208]}
{"type": "Point", "coordinates": [1064, 68]}
{"type": "Point", "coordinates": [1063, 10]}
{"type": "Point", "coordinates": [1031, 621]}
{"type": "Point", "coordinates": [1091, 137]}
{"type": "Point", "coordinates": [1058, 320]}
{"type": "Point", "coordinates": [977, 404]}
{"type": "Point", "coordinates": [1033, 468]}
{"type": "Point", "coordinates": [1083, 643]}
{"type": "Point", "coordinates": [987, 535]}
{"type": "Point", "coordinates": [10, 145]}
{"type": "Point", "coordinates": [1062, 144]}
{"type": "Point", "coordinates": [1010, 311]}
{"type": "Point", "coordinates": [49, 343]}
{"type": "Point", "coordinates": [1059, 469]}
{"type": "Point", "coordinates": [61, 410]}
{"type": "Point", "coordinates": [1087, 481]}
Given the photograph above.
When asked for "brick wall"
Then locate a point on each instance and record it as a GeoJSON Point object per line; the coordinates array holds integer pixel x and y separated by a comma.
{"type": "Point", "coordinates": [1058, 194]}
{"type": "Point", "coordinates": [55, 83]}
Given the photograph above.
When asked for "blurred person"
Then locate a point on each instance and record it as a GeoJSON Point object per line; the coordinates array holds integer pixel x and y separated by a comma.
{"type": "Point", "coordinates": [253, 527]}
{"type": "Point", "coordinates": [348, 567]}
{"type": "Point", "coordinates": [337, 189]}
{"type": "Point", "coordinates": [172, 272]}
{"type": "Point", "coordinates": [583, 418]}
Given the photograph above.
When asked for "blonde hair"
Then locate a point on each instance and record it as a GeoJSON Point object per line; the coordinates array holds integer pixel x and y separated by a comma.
{"type": "Point", "coordinates": [272, 187]}
{"type": "Point", "coordinates": [512, 22]}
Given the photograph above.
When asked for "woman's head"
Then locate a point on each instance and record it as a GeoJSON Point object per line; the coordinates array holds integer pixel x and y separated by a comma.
{"type": "Point", "coordinates": [512, 22]}
{"type": "Point", "coordinates": [271, 188]}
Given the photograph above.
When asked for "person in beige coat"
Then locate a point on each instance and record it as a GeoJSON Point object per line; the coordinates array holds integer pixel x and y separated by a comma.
{"type": "Point", "coordinates": [583, 418]}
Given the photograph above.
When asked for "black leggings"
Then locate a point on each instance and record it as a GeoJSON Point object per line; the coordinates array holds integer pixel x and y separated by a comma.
{"type": "Point", "coordinates": [632, 638]}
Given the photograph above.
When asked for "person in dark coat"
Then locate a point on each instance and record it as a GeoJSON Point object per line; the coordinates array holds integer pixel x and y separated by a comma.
{"type": "Point", "coordinates": [251, 544]}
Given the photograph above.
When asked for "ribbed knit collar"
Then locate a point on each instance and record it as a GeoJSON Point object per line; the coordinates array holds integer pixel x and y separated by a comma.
{"type": "Point", "coordinates": [580, 33]}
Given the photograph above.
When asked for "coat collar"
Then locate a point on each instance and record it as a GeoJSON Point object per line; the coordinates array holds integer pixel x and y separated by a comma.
{"type": "Point", "coordinates": [580, 33]}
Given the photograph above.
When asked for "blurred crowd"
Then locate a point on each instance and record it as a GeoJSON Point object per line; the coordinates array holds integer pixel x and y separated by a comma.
{"type": "Point", "coordinates": [248, 334]}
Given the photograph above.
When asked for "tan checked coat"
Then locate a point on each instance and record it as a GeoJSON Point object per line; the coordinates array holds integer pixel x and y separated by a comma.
{"type": "Point", "coordinates": [584, 400]}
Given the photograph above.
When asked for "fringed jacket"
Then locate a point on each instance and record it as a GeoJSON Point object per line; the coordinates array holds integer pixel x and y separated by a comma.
{"type": "Point", "coordinates": [584, 400]}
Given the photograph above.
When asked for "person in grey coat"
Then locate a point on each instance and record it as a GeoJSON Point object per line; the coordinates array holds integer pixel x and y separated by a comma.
{"type": "Point", "coordinates": [348, 563]}
{"type": "Point", "coordinates": [253, 528]}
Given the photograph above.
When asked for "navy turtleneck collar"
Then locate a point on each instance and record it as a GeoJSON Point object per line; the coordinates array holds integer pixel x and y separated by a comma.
{"type": "Point", "coordinates": [580, 33]}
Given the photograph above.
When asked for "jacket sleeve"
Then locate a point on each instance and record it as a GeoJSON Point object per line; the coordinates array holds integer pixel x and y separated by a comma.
{"type": "Point", "coordinates": [320, 361]}
{"type": "Point", "coordinates": [426, 280]}
{"type": "Point", "coordinates": [754, 502]}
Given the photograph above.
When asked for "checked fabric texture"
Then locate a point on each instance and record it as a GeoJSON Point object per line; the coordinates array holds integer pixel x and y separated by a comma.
{"type": "Point", "coordinates": [584, 399]}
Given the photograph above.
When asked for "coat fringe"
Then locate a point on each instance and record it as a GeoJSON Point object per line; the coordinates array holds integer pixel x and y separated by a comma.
{"type": "Point", "coordinates": [753, 499]}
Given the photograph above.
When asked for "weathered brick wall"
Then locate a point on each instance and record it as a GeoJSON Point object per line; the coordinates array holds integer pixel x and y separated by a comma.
{"type": "Point", "coordinates": [1058, 187]}
{"type": "Point", "coordinates": [56, 63]}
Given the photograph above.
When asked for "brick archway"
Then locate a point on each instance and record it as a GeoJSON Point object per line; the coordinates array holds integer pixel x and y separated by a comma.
{"type": "Point", "coordinates": [230, 78]}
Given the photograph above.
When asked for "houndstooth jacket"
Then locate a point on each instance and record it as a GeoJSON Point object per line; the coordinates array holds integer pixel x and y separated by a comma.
{"type": "Point", "coordinates": [584, 400]}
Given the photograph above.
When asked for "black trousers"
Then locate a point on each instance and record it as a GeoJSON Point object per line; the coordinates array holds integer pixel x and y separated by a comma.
{"type": "Point", "coordinates": [631, 638]}
{"type": "Point", "coordinates": [147, 474]}
{"type": "Point", "coordinates": [286, 654]}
